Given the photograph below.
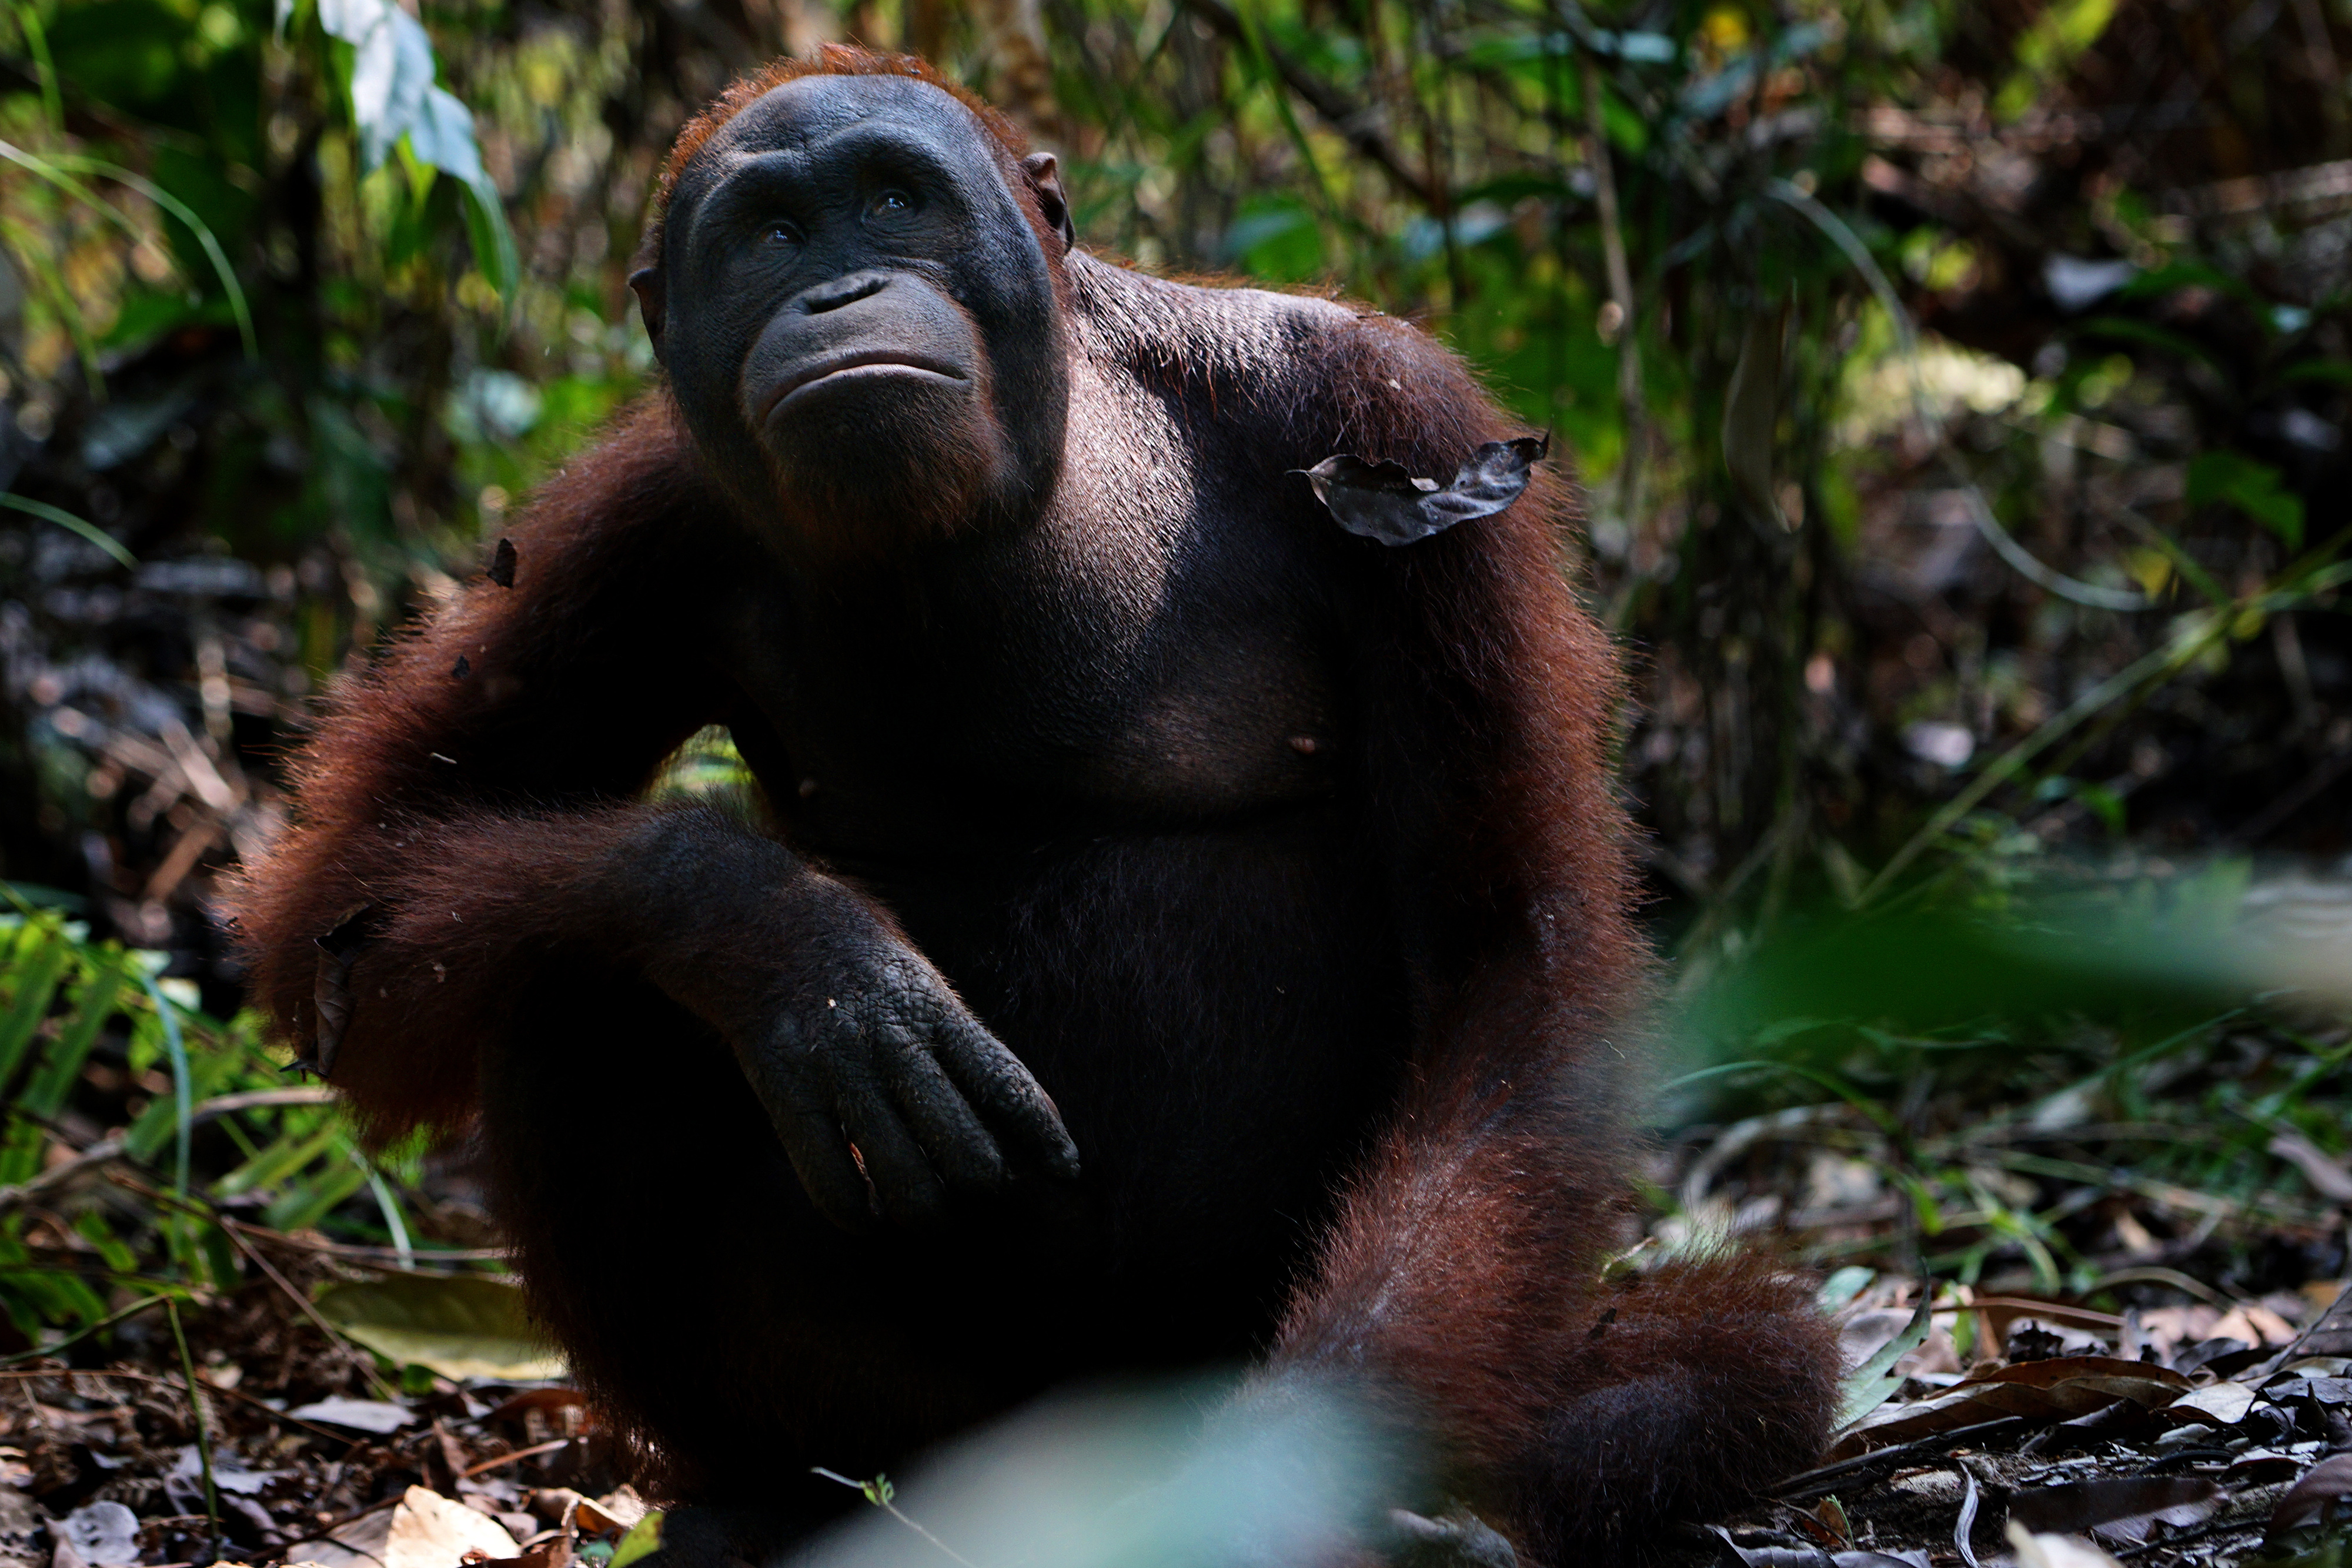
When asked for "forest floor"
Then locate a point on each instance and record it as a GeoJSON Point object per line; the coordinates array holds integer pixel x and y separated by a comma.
{"type": "Point", "coordinates": [2210, 1430]}
{"type": "Point", "coordinates": [2089, 1261]}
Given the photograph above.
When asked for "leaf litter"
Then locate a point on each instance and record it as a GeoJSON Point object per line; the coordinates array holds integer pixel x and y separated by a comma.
{"type": "Point", "coordinates": [322, 1449]}
{"type": "Point", "coordinates": [2199, 1449]}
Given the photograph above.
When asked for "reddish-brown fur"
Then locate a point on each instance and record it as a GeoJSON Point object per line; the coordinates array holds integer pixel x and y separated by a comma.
{"type": "Point", "coordinates": [1460, 1280]}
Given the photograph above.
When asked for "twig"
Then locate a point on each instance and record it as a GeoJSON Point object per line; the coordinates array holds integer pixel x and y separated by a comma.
{"type": "Point", "coordinates": [519, 1454]}
{"type": "Point", "coordinates": [1818, 1480]}
{"type": "Point", "coordinates": [107, 1321]}
{"type": "Point", "coordinates": [878, 1491]}
{"type": "Point", "coordinates": [375, 1379]}
{"type": "Point", "coordinates": [234, 1230]}
{"type": "Point", "coordinates": [125, 1374]}
{"type": "Point", "coordinates": [363, 1253]}
{"type": "Point", "coordinates": [2249, 1526]}
{"type": "Point", "coordinates": [2170, 1278]}
{"type": "Point", "coordinates": [204, 1427]}
{"type": "Point", "coordinates": [259, 1099]}
{"type": "Point", "coordinates": [107, 1150]}
{"type": "Point", "coordinates": [22, 1193]}
{"type": "Point", "coordinates": [327, 1531]}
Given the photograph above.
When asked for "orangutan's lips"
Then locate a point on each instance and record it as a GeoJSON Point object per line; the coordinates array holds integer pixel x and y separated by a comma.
{"type": "Point", "coordinates": [865, 365]}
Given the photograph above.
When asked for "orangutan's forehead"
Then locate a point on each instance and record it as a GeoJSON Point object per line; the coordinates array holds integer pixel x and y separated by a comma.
{"type": "Point", "coordinates": [810, 108]}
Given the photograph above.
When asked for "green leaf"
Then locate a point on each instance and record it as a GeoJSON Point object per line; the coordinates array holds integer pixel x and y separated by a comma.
{"type": "Point", "coordinates": [38, 964]}
{"type": "Point", "coordinates": [277, 1162]}
{"type": "Point", "coordinates": [45, 1090]}
{"type": "Point", "coordinates": [2158, 281]}
{"type": "Point", "coordinates": [1873, 1382]}
{"type": "Point", "coordinates": [493, 241]}
{"type": "Point", "coordinates": [207, 1072]}
{"type": "Point", "coordinates": [207, 242]}
{"type": "Point", "coordinates": [2063, 31]}
{"type": "Point", "coordinates": [461, 1328]}
{"type": "Point", "coordinates": [1626, 126]}
{"type": "Point", "coordinates": [643, 1540]}
{"type": "Point", "coordinates": [65, 519]}
{"type": "Point", "coordinates": [2123, 329]}
{"type": "Point", "coordinates": [304, 1204]}
{"type": "Point", "coordinates": [2252, 487]}
{"type": "Point", "coordinates": [393, 96]}
{"type": "Point", "coordinates": [1844, 1286]}
{"type": "Point", "coordinates": [1276, 238]}
{"type": "Point", "coordinates": [92, 1226]}
{"type": "Point", "coordinates": [44, 1095]}
{"type": "Point", "coordinates": [2335, 372]}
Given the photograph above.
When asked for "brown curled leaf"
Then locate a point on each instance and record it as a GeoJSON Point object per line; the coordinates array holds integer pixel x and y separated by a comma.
{"type": "Point", "coordinates": [2048, 1391]}
{"type": "Point", "coordinates": [1382, 501]}
{"type": "Point", "coordinates": [2323, 1493]}
{"type": "Point", "coordinates": [331, 991]}
{"type": "Point", "coordinates": [2116, 1507]}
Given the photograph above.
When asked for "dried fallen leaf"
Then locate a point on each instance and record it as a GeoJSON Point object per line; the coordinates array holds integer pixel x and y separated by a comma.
{"type": "Point", "coordinates": [358, 1544]}
{"type": "Point", "coordinates": [103, 1535]}
{"type": "Point", "coordinates": [2055, 1551]}
{"type": "Point", "coordinates": [2036, 1390]}
{"type": "Point", "coordinates": [376, 1416]}
{"type": "Point", "coordinates": [2261, 1468]}
{"type": "Point", "coordinates": [26, 1534]}
{"type": "Point", "coordinates": [2222, 1404]}
{"type": "Point", "coordinates": [2116, 1507]}
{"type": "Point", "coordinates": [429, 1530]}
{"type": "Point", "coordinates": [555, 1552]}
{"type": "Point", "coordinates": [1733, 1555]}
{"type": "Point", "coordinates": [616, 1510]}
{"type": "Point", "coordinates": [330, 991]}
{"type": "Point", "coordinates": [461, 1328]}
{"type": "Point", "coordinates": [2256, 1325]}
{"type": "Point", "coordinates": [2316, 1497]}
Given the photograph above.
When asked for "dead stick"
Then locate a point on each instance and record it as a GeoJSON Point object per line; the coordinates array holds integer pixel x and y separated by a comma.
{"type": "Point", "coordinates": [1935, 1442]}
{"type": "Point", "coordinates": [519, 1454]}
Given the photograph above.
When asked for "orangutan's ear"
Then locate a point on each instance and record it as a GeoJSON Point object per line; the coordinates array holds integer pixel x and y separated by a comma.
{"type": "Point", "coordinates": [646, 283]}
{"type": "Point", "coordinates": [1044, 171]}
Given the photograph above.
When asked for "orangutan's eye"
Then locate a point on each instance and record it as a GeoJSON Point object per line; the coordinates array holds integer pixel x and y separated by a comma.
{"type": "Point", "coordinates": [891, 203]}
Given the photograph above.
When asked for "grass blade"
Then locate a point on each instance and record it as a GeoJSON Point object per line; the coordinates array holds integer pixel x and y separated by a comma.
{"type": "Point", "coordinates": [65, 519]}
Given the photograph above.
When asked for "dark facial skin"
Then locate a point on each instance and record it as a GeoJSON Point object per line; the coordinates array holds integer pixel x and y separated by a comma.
{"type": "Point", "coordinates": [859, 316]}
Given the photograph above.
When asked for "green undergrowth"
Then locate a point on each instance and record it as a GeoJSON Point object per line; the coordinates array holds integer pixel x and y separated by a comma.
{"type": "Point", "coordinates": [2063, 1079]}
{"type": "Point", "coordinates": [147, 1146]}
